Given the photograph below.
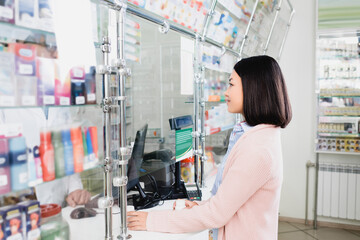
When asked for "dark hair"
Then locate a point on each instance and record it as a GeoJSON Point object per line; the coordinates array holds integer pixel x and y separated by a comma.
{"type": "Point", "coordinates": [264, 90]}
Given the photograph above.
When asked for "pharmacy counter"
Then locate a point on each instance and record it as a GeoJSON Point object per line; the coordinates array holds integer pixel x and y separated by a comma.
{"type": "Point", "coordinates": [94, 228]}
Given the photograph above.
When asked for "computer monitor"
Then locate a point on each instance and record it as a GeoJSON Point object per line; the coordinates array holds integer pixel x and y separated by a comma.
{"type": "Point", "coordinates": [136, 158]}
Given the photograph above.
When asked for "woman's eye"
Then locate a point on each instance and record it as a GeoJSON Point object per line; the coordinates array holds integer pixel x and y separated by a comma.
{"type": "Point", "coordinates": [230, 85]}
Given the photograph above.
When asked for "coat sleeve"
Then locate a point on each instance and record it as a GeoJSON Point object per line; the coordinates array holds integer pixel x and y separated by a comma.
{"type": "Point", "coordinates": [250, 170]}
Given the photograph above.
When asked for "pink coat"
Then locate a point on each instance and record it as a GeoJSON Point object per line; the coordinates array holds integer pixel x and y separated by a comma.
{"type": "Point", "coordinates": [246, 204]}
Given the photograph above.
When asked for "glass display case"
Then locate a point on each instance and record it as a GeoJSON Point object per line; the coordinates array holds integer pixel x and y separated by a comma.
{"type": "Point", "coordinates": [61, 87]}
{"type": "Point", "coordinates": [338, 94]}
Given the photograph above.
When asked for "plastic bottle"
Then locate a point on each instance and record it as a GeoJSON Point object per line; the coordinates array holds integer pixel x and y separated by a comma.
{"type": "Point", "coordinates": [37, 161]}
{"type": "Point", "coordinates": [77, 86]}
{"type": "Point", "coordinates": [58, 153]}
{"type": "Point", "coordinates": [47, 156]}
{"type": "Point", "coordinates": [18, 162]}
{"type": "Point", "coordinates": [90, 86]}
{"type": "Point", "coordinates": [94, 139]}
{"type": "Point", "coordinates": [78, 148]}
{"type": "Point", "coordinates": [31, 168]}
{"type": "Point", "coordinates": [53, 225]}
{"type": "Point", "coordinates": [68, 152]}
{"type": "Point", "coordinates": [86, 156]}
{"type": "Point", "coordinates": [91, 154]}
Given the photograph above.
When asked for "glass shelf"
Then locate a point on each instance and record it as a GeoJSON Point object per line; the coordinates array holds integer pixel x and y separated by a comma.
{"type": "Point", "coordinates": [209, 67]}
{"type": "Point", "coordinates": [221, 101]}
{"type": "Point", "coordinates": [338, 152]}
{"type": "Point", "coordinates": [339, 96]}
{"type": "Point", "coordinates": [339, 115]}
{"type": "Point", "coordinates": [38, 183]}
{"type": "Point", "coordinates": [340, 78]}
{"type": "Point", "coordinates": [220, 129]}
{"type": "Point", "coordinates": [51, 106]}
{"type": "Point", "coordinates": [10, 32]}
{"type": "Point", "coordinates": [337, 58]}
{"type": "Point", "coordinates": [345, 135]}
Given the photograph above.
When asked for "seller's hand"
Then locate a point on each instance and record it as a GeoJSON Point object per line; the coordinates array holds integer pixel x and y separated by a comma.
{"type": "Point", "coordinates": [78, 197]}
{"type": "Point", "coordinates": [188, 204]}
{"type": "Point", "coordinates": [137, 220]}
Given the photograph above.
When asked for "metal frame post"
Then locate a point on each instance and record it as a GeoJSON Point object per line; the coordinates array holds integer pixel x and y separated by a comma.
{"type": "Point", "coordinates": [107, 201]}
{"type": "Point", "coordinates": [203, 157]}
{"type": "Point", "coordinates": [197, 81]}
{"type": "Point", "coordinates": [124, 152]}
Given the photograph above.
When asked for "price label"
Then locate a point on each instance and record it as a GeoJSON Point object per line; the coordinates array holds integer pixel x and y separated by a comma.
{"type": "Point", "coordinates": [28, 100]}
{"type": "Point", "coordinates": [3, 180]}
{"type": "Point", "coordinates": [80, 100]}
{"type": "Point", "coordinates": [64, 101]}
{"type": "Point", "coordinates": [7, 101]}
{"type": "Point", "coordinates": [78, 73]}
{"type": "Point", "coordinates": [6, 12]}
{"type": "Point", "coordinates": [26, 69]}
{"type": "Point", "coordinates": [91, 97]}
{"type": "Point", "coordinates": [23, 177]}
{"type": "Point", "coordinates": [49, 100]}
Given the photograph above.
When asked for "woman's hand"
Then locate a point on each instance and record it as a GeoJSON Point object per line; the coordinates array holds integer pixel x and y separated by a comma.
{"type": "Point", "coordinates": [188, 204]}
{"type": "Point", "coordinates": [137, 220]}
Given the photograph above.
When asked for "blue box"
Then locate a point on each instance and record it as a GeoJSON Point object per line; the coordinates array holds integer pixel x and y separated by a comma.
{"type": "Point", "coordinates": [30, 211]}
{"type": "Point", "coordinates": [12, 223]}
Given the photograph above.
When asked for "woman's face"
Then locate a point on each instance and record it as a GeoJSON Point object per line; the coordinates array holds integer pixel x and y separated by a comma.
{"type": "Point", "coordinates": [234, 94]}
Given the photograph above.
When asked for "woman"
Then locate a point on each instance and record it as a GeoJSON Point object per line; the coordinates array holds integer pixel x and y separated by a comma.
{"type": "Point", "coordinates": [246, 193]}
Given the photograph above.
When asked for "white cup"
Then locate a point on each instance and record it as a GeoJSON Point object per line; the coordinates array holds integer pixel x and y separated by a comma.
{"type": "Point", "coordinates": [180, 204]}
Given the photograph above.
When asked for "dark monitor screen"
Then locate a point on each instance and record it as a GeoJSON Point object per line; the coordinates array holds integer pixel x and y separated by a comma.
{"type": "Point", "coordinates": [136, 158]}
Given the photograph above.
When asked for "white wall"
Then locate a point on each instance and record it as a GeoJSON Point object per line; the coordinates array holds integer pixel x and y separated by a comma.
{"type": "Point", "coordinates": [298, 65]}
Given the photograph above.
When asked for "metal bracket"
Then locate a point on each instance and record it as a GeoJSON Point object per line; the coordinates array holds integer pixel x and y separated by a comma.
{"type": "Point", "coordinates": [119, 5]}
{"type": "Point", "coordinates": [125, 154]}
{"type": "Point", "coordinates": [103, 69]}
{"type": "Point", "coordinates": [123, 162]}
{"type": "Point", "coordinates": [223, 51]}
{"type": "Point", "coordinates": [119, 63]}
{"type": "Point", "coordinates": [120, 98]}
{"type": "Point", "coordinates": [120, 181]}
{"type": "Point", "coordinates": [125, 72]}
{"type": "Point", "coordinates": [198, 78]}
{"type": "Point", "coordinates": [211, 12]}
{"type": "Point", "coordinates": [198, 152]}
{"type": "Point", "coordinates": [204, 158]}
{"type": "Point", "coordinates": [195, 134]}
{"type": "Point", "coordinates": [105, 202]}
{"type": "Point", "coordinates": [107, 101]}
{"type": "Point", "coordinates": [106, 108]}
{"type": "Point", "coordinates": [106, 45]}
{"type": "Point", "coordinates": [164, 27]}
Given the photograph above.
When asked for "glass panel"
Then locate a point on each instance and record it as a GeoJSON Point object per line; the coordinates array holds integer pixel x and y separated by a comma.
{"type": "Point", "coordinates": [218, 121]}
{"type": "Point", "coordinates": [280, 29]}
{"type": "Point", "coordinates": [56, 142]}
{"type": "Point", "coordinates": [228, 24]}
{"type": "Point", "coordinates": [41, 63]}
{"type": "Point", "coordinates": [155, 90]}
{"type": "Point", "coordinates": [260, 27]}
{"type": "Point", "coordinates": [188, 13]}
{"type": "Point", "coordinates": [51, 122]}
